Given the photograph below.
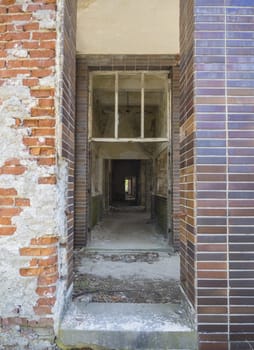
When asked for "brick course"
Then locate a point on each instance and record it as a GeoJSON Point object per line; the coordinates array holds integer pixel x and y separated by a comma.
{"type": "Point", "coordinates": [217, 148]}
{"type": "Point", "coordinates": [28, 45]}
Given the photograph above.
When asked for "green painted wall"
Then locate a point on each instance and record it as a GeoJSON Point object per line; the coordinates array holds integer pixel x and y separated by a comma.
{"type": "Point", "coordinates": [96, 211]}
{"type": "Point", "coordinates": [160, 213]}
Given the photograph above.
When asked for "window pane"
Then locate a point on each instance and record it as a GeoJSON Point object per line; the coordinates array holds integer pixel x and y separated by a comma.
{"type": "Point", "coordinates": [103, 112]}
{"type": "Point", "coordinates": [129, 105]}
{"type": "Point", "coordinates": [155, 108]}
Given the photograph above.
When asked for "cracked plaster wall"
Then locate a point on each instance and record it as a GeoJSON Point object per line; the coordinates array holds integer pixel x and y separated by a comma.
{"type": "Point", "coordinates": [36, 173]}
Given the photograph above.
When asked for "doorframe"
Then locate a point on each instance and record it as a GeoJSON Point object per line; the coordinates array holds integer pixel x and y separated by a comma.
{"type": "Point", "coordinates": [85, 65]}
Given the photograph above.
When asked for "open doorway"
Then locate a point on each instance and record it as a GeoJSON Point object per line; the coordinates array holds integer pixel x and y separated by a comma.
{"type": "Point", "coordinates": [125, 183]}
{"type": "Point", "coordinates": [129, 118]}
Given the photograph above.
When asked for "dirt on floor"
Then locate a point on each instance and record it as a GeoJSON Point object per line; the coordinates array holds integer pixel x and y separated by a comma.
{"type": "Point", "coordinates": [93, 286]}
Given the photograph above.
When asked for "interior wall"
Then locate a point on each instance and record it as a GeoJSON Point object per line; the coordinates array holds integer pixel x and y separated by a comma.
{"type": "Point", "coordinates": [128, 27]}
{"type": "Point", "coordinates": [160, 191]}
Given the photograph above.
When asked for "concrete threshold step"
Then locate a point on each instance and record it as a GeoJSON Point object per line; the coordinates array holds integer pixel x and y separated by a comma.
{"type": "Point", "coordinates": [124, 326]}
{"type": "Point", "coordinates": [128, 250]}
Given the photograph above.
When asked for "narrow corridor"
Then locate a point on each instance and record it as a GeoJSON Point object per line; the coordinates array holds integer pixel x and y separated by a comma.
{"type": "Point", "coordinates": [127, 290]}
{"type": "Point", "coordinates": [127, 260]}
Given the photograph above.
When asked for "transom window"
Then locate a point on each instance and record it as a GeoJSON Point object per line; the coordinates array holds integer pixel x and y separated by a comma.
{"type": "Point", "coordinates": [129, 106]}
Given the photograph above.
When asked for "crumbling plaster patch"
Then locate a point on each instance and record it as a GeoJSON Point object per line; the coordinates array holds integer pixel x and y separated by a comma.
{"type": "Point", "coordinates": [46, 213]}
{"type": "Point", "coordinates": [47, 18]}
{"type": "Point", "coordinates": [16, 104]}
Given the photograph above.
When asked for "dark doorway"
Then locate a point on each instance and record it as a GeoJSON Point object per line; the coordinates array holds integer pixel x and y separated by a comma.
{"type": "Point", "coordinates": [125, 182]}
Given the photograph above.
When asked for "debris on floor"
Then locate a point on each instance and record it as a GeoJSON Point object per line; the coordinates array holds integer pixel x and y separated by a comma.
{"type": "Point", "coordinates": [135, 277]}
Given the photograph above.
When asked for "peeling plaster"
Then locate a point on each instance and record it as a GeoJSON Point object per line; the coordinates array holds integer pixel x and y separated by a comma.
{"type": "Point", "coordinates": [83, 4]}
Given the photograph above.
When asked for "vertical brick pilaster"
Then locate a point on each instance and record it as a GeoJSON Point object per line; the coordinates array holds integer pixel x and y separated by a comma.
{"type": "Point", "coordinates": [187, 135]}
{"type": "Point", "coordinates": [82, 155]}
{"type": "Point", "coordinates": [240, 126]}
{"type": "Point", "coordinates": [217, 82]}
{"type": "Point", "coordinates": [68, 112]}
{"type": "Point", "coordinates": [211, 175]}
{"type": "Point", "coordinates": [175, 157]}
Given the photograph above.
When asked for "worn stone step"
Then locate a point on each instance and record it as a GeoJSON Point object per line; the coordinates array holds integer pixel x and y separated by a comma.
{"type": "Point", "coordinates": [125, 326]}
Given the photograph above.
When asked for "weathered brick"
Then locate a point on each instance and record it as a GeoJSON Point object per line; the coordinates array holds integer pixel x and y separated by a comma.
{"type": "Point", "coordinates": [31, 251]}
{"type": "Point", "coordinates": [42, 92]}
{"type": "Point", "coordinates": [52, 260]}
{"type": "Point", "coordinates": [7, 230]}
{"type": "Point", "coordinates": [47, 280]}
{"type": "Point", "coordinates": [15, 8]}
{"type": "Point", "coordinates": [45, 240]}
{"type": "Point", "coordinates": [46, 53]}
{"type": "Point", "coordinates": [31, 141]}
{"type": "Point", "coordinates": [31, 26]}
{"type": "Point", "coordinates": [42, 310]}
{"type": "Point", "coordinates": [11, 73]}
{"type": "Point", "coordinates": [46, 291]}
{"type": "Point", "coordinates": [41, 73]}
{"type": "Point", "coordinates": [22, 202]}
{"type": "Point", "coordinates": [7, 2]}
{"type": "Point", "coordinates": [30, 44]}
{"type": "Point", "coordinates": [6, 201]}
{"type": "Point", "coordinates": [14, 36]}
{"type": "Point", "coordinates": [41, 112]}
{"type": "Point", "coordinates": [48, 44]}
{"type": "Point", "coordinates": [38, 63]}
{"type": "Point", "coordinates": [43, 132]}
{"type": "Point", "coordinates": [31, 82]}
{"type": "Point", "coordinates": [8, 192]}
{"type": "Point", "coordinates": [49, 270]}
{"type": "Point", "coordinates": [46, 102]}
{"type": "Point", "coordinates": [5, 221]}
{"type": "Point", "coordinates": [48, 180]}
{"type": "Point", "coordinates": [50, 301]}
{"type": "Point", "coordinates": [44, 35]}
{"type": "Point", "coordinates": [30, 271]}
{"type": "Point", "coordinates": [10, 211]}
{"type": "Point", "coordinates": [12, 170]}
{"type": "Point", "coordinates": [46, 161]}
{"type": "Point", "coordinates": [3, 28]}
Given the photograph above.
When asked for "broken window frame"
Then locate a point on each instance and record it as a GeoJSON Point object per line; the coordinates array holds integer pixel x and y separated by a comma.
{"type": "Point", "coordinates": [116, 137]}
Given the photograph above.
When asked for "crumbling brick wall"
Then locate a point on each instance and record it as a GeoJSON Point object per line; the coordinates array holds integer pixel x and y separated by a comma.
{"type": "Point", "coordinates": [34, 170]}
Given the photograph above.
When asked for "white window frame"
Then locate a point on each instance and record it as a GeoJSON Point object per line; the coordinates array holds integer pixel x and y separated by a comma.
{"type": "Point", "coordinates": [116, 138]}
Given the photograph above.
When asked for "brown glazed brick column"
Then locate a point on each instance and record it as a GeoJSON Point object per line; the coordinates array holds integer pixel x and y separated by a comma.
{"type": "Point", "coordinates": [211, 175]}
{"type": "Point", "coordinates": [217, 166]}
{"type": "Point", "coordinates": [175, 157]}
{"type": "Point", "coordinates": [240, 125]}
{"type": "Point", "coordinates": [68, 111]}
{"type": "Point", "coordinates": [187, 203]}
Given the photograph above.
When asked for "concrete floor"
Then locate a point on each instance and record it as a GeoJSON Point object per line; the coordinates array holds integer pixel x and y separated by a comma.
{"type": "Point", "coordinates": [127, 291]}
{"type": "Point", "coordinates": [127, 261]}
{"type": "Point", "coordinates": [127, 228]}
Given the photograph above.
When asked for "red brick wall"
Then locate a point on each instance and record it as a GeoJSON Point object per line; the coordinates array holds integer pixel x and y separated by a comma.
{"type": "Point", "coordinates": [28, 42]}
